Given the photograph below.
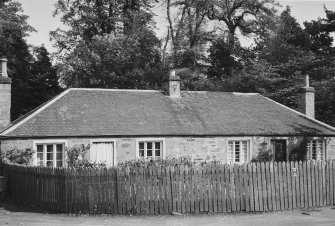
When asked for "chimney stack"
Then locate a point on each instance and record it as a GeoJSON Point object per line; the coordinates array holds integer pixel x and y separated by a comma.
{"type": "Point", "coordinates": [306, 99]}
{"type": "Point", "coordinates": [173, 89]}
{"type": "Point", "coordinates": [5, 95]}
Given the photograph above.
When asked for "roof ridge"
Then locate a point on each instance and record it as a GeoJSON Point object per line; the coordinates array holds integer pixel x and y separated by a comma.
{"type": "Point", "coordinates": [301, 114]}
{"type": "Point", "coordinates": [116, 90]}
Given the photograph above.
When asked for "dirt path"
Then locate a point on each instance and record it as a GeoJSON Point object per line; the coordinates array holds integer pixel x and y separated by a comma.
{"type": "Point", "coordinates": [322, 216]}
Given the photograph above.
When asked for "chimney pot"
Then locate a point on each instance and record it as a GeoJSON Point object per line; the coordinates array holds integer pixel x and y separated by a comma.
{"type": "Point", "coordinates": [307, 81]}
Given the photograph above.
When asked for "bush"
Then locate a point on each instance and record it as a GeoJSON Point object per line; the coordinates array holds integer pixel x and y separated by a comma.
{"type": "Point", "coordinates": [300, 152]}
{"type": "Point", "coordinates": [263, 156]}
{"type": "Point", "coordinates": [17, 156]}
{"type": "Point", "coordinates": [77, 157]}
{"type": "Point", "coordinates": [183, 161]}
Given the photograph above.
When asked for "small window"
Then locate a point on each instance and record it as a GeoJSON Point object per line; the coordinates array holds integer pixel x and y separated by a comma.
{"type": "Point", "coordinates": [50, 155]}
{"type": "Point", "coordinates": [315, 150]}
{"type": "Point", "coordinates": [238, 151]}
{"type": "Point", "coordinates": [150, 150]}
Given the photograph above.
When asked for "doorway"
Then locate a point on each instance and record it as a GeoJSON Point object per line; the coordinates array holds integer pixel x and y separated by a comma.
{"type": "Point", "coordinates": [279, 150]}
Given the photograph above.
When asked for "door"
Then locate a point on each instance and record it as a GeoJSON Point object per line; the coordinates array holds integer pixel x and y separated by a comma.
{"type": "Point", "coordinates": [102, 152]}
{"type": "Point", "coordinates": [279, 150]}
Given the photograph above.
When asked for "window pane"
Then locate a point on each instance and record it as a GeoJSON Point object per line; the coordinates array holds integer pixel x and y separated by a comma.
{"type": "Point", "coordinates": [39, 148]}
{"type": "Point", "coordinates": [230, 151]}
{"type": "Point", "coordinates": [309, 153]}
{"type": "Point", "coordinates": [59, 148]}
{"type": "Point", "coordinates": [157, 153]}
{"type": "Point", "coordinates": [320, 150]}
{"type": "Point", "coordinates": [40, 156]}
{"type": "Point", "coordinates": [59, 152]}
{"type": "Point", "coordinates": [59, 156]}
{"type": "Point", "coordinates": [141, 145]}
{"type": "Point", "coordinates": [49, 163]}
{"type": "Point", "coordinates": [157, 145]}
{"type": "Point", "coordinates": [314, 153]}
{"type": "Point", "coordinates": [142, 153]}
{"type": "Point", "coordinates": [149, 145]}
{"type": "Point", "coordinates": [50, 156]}
{"type": "Point", "coordinates": [244, 151]}
{"type": "Point", "coordinates": [237, 151]}
{"type": "Point", "coordinates": [149, 153]}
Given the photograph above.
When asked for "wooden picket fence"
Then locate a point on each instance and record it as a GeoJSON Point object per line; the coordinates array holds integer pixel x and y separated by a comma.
{"type": "Point", "coordinates": [212, 188]}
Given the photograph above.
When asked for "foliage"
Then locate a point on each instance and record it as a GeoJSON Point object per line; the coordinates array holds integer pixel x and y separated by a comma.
{"type": "Point", "coordinates": [110, 44]}
{"type": "Point", "coordinates": [34, 79]}
{"type": "Point", "coordinates": [109, 62]}
{"type": "Point", "coordinates": [183, 161]}
{"type": "Point", "coordinates": [77, 157]}
{"type": "Point", "coordinates": [300, 152]}
{"type": "Point", "coordinates": [187, 33]}
{"type": "Point", "coordinates": [241, 16]}
{"type": "Point", "coordinates": [17, 156]}
{"type": "Point", "coordinates": [264, 154]}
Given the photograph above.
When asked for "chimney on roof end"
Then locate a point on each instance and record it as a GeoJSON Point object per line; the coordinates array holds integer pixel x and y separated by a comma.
{"type": "Point", "coordinates": [306, 99]}
{"type": "Point", "coordinates": [3, 68]}
{"type": "Point", "coordinates": [173, 85]}
{"type": "Point", "coordinates": [5, 95]}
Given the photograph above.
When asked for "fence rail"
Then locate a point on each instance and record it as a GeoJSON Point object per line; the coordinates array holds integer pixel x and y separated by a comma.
{"type": "Point", "coordinates": [213, 188]}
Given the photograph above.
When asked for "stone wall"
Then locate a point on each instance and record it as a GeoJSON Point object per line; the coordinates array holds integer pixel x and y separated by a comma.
{"type": "Point", "coordinates": [207, 148]}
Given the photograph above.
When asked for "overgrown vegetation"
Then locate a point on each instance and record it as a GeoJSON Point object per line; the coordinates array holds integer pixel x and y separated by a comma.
{"type": "Point", "coordinates": [77, 157]}
{"type": "Point", "coordinates": [182, 161]}
{"type": "Point", "coordinates": [265, 154]}
{"type": "Point", "coordinates": [17, 156]}
{"type": "Point", "coordinates": [300, 152]}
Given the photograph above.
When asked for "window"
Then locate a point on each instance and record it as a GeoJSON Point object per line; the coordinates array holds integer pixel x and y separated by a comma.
{"type": "Point", "coordinates": [102, 152]}
{"type": "Point", "coordinates": [50, 155]}
{"type": "Point", "coordinates": [150, 149]}
{"type": "Point", "coordinates": [238, 151]}
{"type": "Point", "coordinates": [315, 150]}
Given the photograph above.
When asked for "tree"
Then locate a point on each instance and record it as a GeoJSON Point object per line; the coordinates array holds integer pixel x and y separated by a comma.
{"type": "Point", "coordinates": [319, 32]}
{"type": "Point", "coordinates": [111, 44]}
{"type": "Point", "coordinates": [113, 62]}
{"type": "Point", "coordinates": [240, 15]}
{"type": "Point", "coordinates": [34, 79]}
{"type": "Point", "coordinates": [87, 19]}
{"type": "Point", "coordinates": [187, 33]}
{"type": "Point", "coordinates": [13, 29]}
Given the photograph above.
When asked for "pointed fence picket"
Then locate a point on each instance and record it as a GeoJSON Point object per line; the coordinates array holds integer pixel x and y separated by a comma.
{"type": "Point", "coordinates": [211, 188]}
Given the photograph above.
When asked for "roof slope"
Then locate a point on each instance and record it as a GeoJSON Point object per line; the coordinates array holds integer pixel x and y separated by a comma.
{"type": "Point", "coordinates": [103, 112]}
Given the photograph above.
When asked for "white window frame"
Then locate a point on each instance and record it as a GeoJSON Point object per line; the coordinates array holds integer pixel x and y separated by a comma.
{"type": "Point", "coordinates": [49, 142]}
{"type": "Point", "coordinates": [162, 140]}
{"type": "Point", "coordinates": [107, 140]}
{"type": "Point", "coordinates": [324, 149]}
{"type": "Point", "coordinates": [249, 149]}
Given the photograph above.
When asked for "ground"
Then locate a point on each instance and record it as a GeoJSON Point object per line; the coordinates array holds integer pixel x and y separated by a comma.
{"type": "Point", "coordinates": [11, 214]}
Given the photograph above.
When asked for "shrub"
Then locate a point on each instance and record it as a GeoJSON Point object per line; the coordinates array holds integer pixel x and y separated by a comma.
{"type": "Point", "coordinates": [263, 156]}
{"type": "Point", "coordinates": [300, 152]}
{"type": "Point", "coordinates": [77, 157]}
{"type": "Point", "coordinates": [183, 161]}
{"type": "Point", "coordinates": [17, 156]}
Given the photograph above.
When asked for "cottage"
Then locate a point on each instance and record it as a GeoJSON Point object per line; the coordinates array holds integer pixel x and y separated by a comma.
{"type": "Point", "coordinates": [122, 125]}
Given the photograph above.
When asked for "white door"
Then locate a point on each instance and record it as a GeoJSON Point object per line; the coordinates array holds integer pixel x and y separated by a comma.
{"type": "Point", "coordinates": [102, 152]}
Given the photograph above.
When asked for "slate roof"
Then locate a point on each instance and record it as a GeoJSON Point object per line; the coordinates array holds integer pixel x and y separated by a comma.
{"type": "Point", "coordinates": [105, 112]}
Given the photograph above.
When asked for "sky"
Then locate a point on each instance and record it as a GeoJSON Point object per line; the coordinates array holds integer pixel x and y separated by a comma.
{"type": "Point", "coordinates": [40, 17]}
